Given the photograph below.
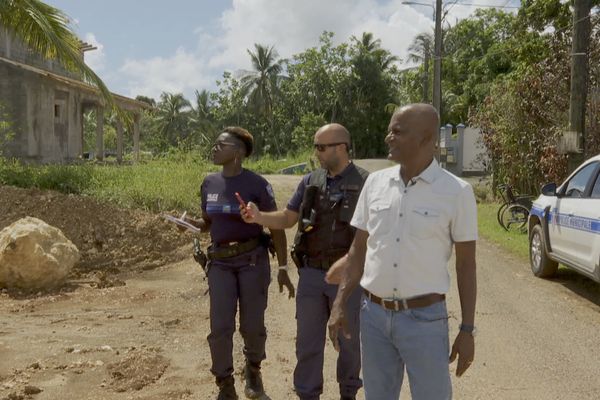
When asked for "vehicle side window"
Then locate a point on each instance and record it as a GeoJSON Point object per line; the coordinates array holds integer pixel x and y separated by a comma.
{"type": "Point", "coordinates": [596, 190]}
{"type": "Point", "coordinates": [577, 184]}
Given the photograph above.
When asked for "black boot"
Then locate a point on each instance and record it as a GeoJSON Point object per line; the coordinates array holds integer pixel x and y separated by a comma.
{"type": "Point", "coordinates": [254, 385]}
{"type": "Point", "coordinates": [226, 389]}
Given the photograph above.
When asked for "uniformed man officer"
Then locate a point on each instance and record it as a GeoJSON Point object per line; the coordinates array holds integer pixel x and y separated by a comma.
{"type": "Point", "coordinates": [322, 206]}
{"type": "Point", "coordinates": [239, 265]}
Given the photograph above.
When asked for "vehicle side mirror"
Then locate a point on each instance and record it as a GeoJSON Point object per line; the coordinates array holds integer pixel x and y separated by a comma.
{"type": "Point", "coordinates": [549, 189]}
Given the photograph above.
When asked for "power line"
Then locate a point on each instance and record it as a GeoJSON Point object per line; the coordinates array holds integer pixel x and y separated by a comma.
{"type": "Point", "coordinates": [487, 5]}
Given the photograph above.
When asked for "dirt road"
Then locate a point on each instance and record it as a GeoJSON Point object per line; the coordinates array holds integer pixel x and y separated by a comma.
{"type": "Point", "coordinates": [147, 339]}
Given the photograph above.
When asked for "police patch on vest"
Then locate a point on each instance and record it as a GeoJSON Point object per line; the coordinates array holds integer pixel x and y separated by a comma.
{"type": "Point", "coordinates": [212, 197]}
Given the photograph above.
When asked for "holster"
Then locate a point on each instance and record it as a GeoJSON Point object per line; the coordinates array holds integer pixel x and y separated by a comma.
{"type": "Point", "coordinates": [200, 256]}
{"type": "Point", "coordinates": [267, 241]}
{"type": "Point", "coordinates": [297, 256]}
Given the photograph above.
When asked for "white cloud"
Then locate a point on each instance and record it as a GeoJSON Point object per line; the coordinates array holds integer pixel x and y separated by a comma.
{"type": "Point", "coordinates": [95, 59]}
{"type": "Point", "coordinates": [289, 25]}
{"type": "Point", "coordinates": [182, 72]}
{"type": "Point", "coordinates": [292, 26]}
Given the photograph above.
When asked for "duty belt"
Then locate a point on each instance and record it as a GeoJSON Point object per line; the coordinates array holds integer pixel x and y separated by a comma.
{"type": "Point", "coordinates": [232, 249]}
{"type": "Point", "coordinates": [400, 305]}
{"type": "Point", "coordinates": [321, 263]}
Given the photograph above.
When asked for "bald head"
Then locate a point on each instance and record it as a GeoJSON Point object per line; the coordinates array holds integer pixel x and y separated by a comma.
{"type": "Point", "coordinates": [333, 133]}
{"type": "Point", "coordinates": [422, 118]}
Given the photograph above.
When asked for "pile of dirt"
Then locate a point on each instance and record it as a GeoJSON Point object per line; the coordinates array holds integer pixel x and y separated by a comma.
{"type": "Point", "coordinates": [110, 239]}
{"type": "Point", "coordinates": [138, 369]}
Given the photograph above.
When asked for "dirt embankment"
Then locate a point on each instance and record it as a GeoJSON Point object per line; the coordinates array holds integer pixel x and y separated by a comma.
{"type": "Point", "coordinates": [110, 239]}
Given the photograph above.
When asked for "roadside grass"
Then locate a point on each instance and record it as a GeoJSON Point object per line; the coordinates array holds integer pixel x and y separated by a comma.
{"type": "Point", "coordinates": [513, 242]}
{"type": "Point", "coordinates": [164, 184]}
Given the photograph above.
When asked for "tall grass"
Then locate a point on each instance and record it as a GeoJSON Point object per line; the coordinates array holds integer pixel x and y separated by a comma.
{"type": "Point", "coordinates": [167, 183]}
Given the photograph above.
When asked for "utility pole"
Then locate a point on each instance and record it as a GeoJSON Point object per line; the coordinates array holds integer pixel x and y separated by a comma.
{"type": "Point", "coordinates": [437, 62]}
{"type": "Point", "coordinates": [573, 142]}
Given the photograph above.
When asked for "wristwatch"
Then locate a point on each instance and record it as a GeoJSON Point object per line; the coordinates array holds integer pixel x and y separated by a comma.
{"type": "Point", "coordinates": [468, 329]}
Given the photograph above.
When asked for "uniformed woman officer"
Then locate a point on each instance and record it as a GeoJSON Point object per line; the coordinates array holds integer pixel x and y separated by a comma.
{"type": "Point", "coordinates": [238, 261]}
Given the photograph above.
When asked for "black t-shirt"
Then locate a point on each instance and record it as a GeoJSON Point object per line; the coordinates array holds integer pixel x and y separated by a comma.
{"type": "Point", "coordinates": [222, 207]}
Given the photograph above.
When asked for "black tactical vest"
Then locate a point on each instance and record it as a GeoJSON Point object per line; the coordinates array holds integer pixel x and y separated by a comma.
{"type": "Point", "coordinates": [331, 234]}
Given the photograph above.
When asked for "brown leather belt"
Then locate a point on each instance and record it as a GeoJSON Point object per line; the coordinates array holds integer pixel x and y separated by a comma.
{"type": "Point", "coordinates": [400, 305]}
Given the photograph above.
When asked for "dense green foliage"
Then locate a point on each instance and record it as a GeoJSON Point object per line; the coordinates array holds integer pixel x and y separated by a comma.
{"type": "Point", "coordinates": [283, 102]}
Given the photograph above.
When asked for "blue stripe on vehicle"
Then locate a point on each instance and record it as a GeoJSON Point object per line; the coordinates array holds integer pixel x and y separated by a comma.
{"type": "Point", "coordinates": [569, 221]}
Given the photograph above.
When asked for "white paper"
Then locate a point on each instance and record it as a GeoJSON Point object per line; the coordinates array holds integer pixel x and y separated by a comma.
{"type": "Point", "coordinates": [181, 222]}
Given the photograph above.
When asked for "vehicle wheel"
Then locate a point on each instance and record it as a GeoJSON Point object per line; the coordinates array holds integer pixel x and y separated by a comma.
{"type": "Point", "coordinates": [499, 214]}
{"type": "Point", "coordinates": [514, 218]}
{"type": "Point", "coordinates": [541, 265]}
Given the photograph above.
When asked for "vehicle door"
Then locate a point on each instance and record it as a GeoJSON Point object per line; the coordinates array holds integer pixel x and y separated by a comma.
{"type": "Point", "coordinates": [571, 233]}
{"type": "Point", "coordinates": [595, 214]}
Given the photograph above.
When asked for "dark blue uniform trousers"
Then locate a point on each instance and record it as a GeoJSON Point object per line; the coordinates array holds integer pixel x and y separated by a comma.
{"type": "Point", "coordinates": [244, 278]}
{"type": "Point", "coordinates": [313, 306]}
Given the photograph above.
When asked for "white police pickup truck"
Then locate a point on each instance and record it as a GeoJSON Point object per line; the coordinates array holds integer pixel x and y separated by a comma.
{"type": "Point", "coordinates": [564, 224]}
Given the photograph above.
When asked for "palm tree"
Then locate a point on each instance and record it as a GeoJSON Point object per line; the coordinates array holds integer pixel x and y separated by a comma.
{"type": "Point", "coordinates": [201, 119]}
{"type": "Point", "coordinates": [367, 45]}
{"type": "Point", "coordinates": [420, 51]}
{"type": "Point", "coordinates": [45, 30]}
{"type": "Point", "coordinates": [172, 117]}
{"type": "Point", "coordinates": [262, 85]}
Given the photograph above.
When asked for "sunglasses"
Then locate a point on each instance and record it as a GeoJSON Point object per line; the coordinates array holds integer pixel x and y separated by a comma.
{"type": "Point", "coordinates": [322, 147]}
{"type": "Point", "coordinates": [219, 145]}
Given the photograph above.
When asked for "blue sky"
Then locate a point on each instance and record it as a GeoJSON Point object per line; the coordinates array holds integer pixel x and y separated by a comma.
{"type": "Point", "coordinates": [146, 47]}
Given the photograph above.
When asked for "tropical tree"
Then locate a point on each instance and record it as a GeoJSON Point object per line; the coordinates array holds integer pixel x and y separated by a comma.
{"type": "Point", "coordinates": [172, 118]}
{"type": "Point", "coordinates": [262, 84]}
{"type": "Point", "coordinates": [420, 51]}
{"type": "Point", "coordinates": [46, 30]}
{"type": "Point", "coordinates": [201, 119]}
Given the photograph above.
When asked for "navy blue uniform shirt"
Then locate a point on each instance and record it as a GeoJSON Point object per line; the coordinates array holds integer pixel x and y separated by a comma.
{"type": "Point", "coordinates": [222, 207]}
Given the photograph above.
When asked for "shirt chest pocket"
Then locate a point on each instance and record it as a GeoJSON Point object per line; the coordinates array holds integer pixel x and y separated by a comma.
{"type": "Point", "coordinates": [425, 222]}
{"type": "Point", "coordinates": [380, 217]}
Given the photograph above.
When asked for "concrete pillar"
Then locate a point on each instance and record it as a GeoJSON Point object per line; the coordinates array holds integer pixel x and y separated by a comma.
{"type": "Point", "coordinates": [99, 133]}
{"type": "Point", "coordinates": [119, 140]}
{"type": "Point", "coordinates": [460, 130]}
{"type": "Point", "coordinates": [136, 136]}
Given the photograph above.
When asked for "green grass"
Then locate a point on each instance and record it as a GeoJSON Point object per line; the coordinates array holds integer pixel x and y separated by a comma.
{"type": "Point", "coordinates": [513, 242]}
{"type": "Point", "coordinates": [170, 183]}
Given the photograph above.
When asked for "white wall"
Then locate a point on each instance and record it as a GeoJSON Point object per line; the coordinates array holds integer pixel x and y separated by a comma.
{"type": "Point", "coordinates": [473, 150]}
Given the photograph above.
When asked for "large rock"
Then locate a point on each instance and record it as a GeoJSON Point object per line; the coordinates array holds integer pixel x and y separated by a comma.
{"type": "Point", "coordinates": [34, 255]}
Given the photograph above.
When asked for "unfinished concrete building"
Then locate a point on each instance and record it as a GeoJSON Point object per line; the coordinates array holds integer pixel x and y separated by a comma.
{"type": "Point", "coordinates": [43, 103]}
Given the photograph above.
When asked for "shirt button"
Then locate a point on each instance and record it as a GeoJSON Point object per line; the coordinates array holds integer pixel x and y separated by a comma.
{"type": "Point", "coordinates": [395, 265]}
{"type": "Point", "coordinates": [395, 290]}
{"type": "Point", "coordinates": [397, 239]}
{"type": "Point", "coordinates": [400, 214]}
{"type": "Point", "coordinates": [405, 190]}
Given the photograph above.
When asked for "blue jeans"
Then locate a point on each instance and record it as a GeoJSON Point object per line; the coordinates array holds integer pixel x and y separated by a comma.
{"type": "Point", "coordinates": [416, 339]}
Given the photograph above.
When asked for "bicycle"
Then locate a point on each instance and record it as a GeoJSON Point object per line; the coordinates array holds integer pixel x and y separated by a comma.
{"type": "Point", "coordinates": [513, 212]}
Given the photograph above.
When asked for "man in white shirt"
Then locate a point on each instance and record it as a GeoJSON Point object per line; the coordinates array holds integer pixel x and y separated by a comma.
{"type": "Point", "coordinates": [408, 217]}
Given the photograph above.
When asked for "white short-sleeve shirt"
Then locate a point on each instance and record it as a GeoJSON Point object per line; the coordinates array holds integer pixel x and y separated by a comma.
{"type": "Point", "coordinates": [412, 229]}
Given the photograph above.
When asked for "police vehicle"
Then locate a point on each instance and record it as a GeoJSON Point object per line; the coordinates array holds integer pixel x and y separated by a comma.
{"type": "Point", "coordinates": [564, 224]}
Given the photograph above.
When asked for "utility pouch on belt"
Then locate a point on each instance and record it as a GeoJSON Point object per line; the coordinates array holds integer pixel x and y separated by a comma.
{"type": "Point", "coordinates": [200, 256]}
